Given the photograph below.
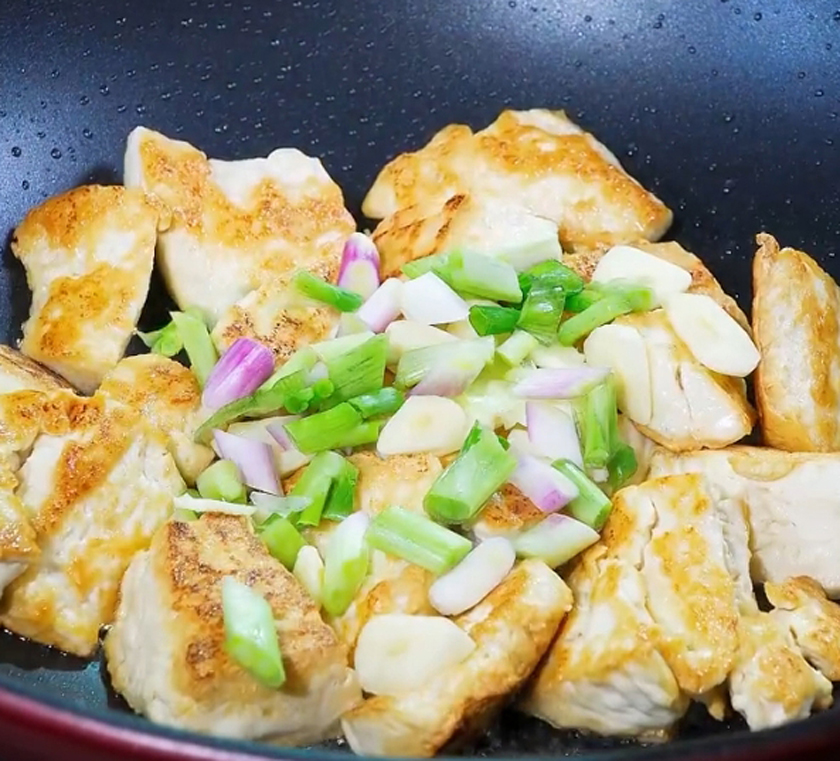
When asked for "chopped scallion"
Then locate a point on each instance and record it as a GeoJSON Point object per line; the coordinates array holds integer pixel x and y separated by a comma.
{"type": "Point", "coordinates": [599, 421]}
{"type": "Point", "coordinates": [360, 370]}
{"type": "Point", "coordinates": [345, 563]}
{"type": "Point", "coordinates": [282, 539]}
{"type": "Point", "coordinates": [417, 539]}
{"type": "Point", "coordinates": [385, 401]}
{"type": "Point", "coordinates": [315, 484]}
{"type": "Point", "coordinates": [542, 312]}
{"type": "Point", "coordinates": [166, 341]}
{"type": "Point", "coordinates": [197, 343]}
{"type": "Point", "coordinates": [319, 289]}
{"type": "Point", "coordinates": [517, 347]}
{"type": "Point", "coordinates": [425, 264]}
{"type": "Point", "coordinates": [221, 481]}
{"type": "Point", "coordinates": [591, 506]}
{"type": "Point", "coordinates": [330, 429]}
{"type": "Point", "coordinates": [250, 633]}
{"type": "Point", "coordinates": [491, 321]}
{"type": "Point", "coordinates": [342, 499]}
{"type": "Point", "coordinates": [622, 466]}
{"type": "Point", "coordinates": [551, 274]}
{"type": "Point", "coordinates": [622, 300]}
{"type": "Point", "coordinates": [577, 302]}
{"type": "Point", "coordinates": [478, 275]}
{"type": "Point", "coordinates": [414, 365]}
{"type": "Point", "coordinates": [470, 480]}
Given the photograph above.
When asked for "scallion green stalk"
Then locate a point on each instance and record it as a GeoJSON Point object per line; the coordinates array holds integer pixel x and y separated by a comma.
{"type": "Point", "coordinates": [251, 634]}
{"type": "Point", "coordinates": [222, 481]}
{"type": "Point", "coordinates": [345, 564]}
{"type": "Point", "coordinates": [317, 288]}
{"type": "Point", "coordinates": [315, 484]}
{"type": "Point", "coordinates": [542, 312]}
{"type": "Point", "coordinates": [415, 364]}
{"type": "Point", "coordinates": [380, 403]}
{"type": "Point", "coordinates": [304, 359]}
{"type": "Point", "coordinates": [417, 539]}
{"type": "Point", "coordinates": [197, 343]}
{"type": "Point", "coordinates": [591, 506]}
{"type": "Point", "coordinates": [282, 539]}
{"type": "Point", "coordinates": [517, 347]}
{"type": "Point", "coordinates": [330, 429]}
{"type": "Point", "coordinates": [469, 481]}
{"type": "Point", "coordinates": [491, 320]}
{"type": "Point", "coordinates": [599, 421]}
{"type": "Point", "coordinates": [622, 466]}
{"type": "Point", "coordinates": [615, 303]}
{"type": "Point", "coordinates": [551, 274]}
{"type": "Point", "coordinates": [342, 499]}
{"type": "Point", "coordinates": [477, 275]}
{"type": "Point", "coordinates": [417, 267]}
{"type": "Point", "coordinates": [166, 341]}
{"type": "Point", "coordinates": [360, 370]}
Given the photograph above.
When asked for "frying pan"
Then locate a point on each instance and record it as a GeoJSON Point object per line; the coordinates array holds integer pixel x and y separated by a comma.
{"type": "Point", "coordinates": [727, 109]}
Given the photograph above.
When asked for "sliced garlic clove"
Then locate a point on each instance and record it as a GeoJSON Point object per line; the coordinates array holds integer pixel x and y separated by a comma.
{"type": "Point", "coordinates": [405, 335]}
{"type": "Point", "coordinates": [475, 577]}
{"type": "Point", "coordinates": [623, 350]}
{"type": "Point", "coordinates": [424, 424]}
{"type": "Point", "coordinates": [397, 653]}
{"type": "Point", "coordinates": [309, 571]}
{"type": "Point", "coordinates": [711, 334]}
{"type": "Point", "coordinates": [633, 264]}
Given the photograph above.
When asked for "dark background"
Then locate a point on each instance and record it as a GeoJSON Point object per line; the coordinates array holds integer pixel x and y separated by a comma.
{"type": "Point", "coordinates": [728, 110]}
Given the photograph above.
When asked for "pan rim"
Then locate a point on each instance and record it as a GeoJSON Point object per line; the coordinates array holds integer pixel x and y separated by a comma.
{"type": "Point", "coordinates": [135, 737]}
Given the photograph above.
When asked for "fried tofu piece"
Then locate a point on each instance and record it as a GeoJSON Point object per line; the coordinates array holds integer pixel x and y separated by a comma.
{"type": "Point", "coordinates": [605, 672]}
{"type": "Point", "coordinates": [792, 505]}
{"type": "Point", "coordinates": [19, 373]}
{"type": "Point", "coordinates": [237, 225]}
{"type": "Point", "coordinates": [479, 224]}
{"type": "Point", "coordinates": [772, 684]}
{"type": "Point", "coordinates": [541, 159]}
{"type": "Point", "coordinates": [166, 652]}
{"type": "Point", "coordinates": [507, 513]}
{"type": "Point", "coordinates": [703, 281]}
{"type": "Point", "coordinates": [796, 321]}
{"type": "Point", "coordinates": [168, 397]}
{"type": "Point", "coordinates": [692, 406]}
{"type": "Point", "coordinates": [512, 628]}
{"type": "Point", "coordinates": [278, 318]}
{"type": "Point", "coordinates": [18, 542]}
{"type": "Point", "coordinates": [95, 482]}
{"type": "Point", "coordinates": [88, 256]}
{"type": "Point", "coordinates": [392, 585]}
{"type": "Point", "coordinates": [801, 605]}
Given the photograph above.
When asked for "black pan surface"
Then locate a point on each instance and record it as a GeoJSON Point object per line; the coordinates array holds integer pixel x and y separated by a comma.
{"type": "Point", "coordinates": [727, 109]}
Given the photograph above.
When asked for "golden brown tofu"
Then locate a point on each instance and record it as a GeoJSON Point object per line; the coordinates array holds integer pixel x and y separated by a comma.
{"type": "Point", "coordinates": [539, 158]}
{"type": "Point", "coordinates": [392, 585]}
{"type": "Point", "coordinates": [796, 321]}
{"type": "Point", "coordinates": [702, 280]}
{"type": "Point", "coordinates": [771, 683]}
{"type": "Point", "coordinates": [236, 225]}
{"type": "Point", "coordinates": [691, 406]}
{"type": "Point", "coordinates": [512, 629]}
{"type": "Point", "coordinates": [166, 652]}
{"type": "Point", "coordinates": [19, 373]}
{"type": "Point", "coordinates": [605, 671]}
{"type": "Point", "coordinates": [95, 482]}
{"type": "Point", "coordinates": [801, 605]}
{"type": "Point", "coordinates": [168, 397]}
{"type": "Point", "coordinates": [792, 504]}
{"type": "Point", "coordinates": [277, 317]}
{"type": "Point", "coordinates": [507, 513]}
{"type": "Point", "coordinates": [88, 257]}
{"type": "Point", "coordinates": [18, 542]}
{"type": "Point", "coordinates": [476, 223]}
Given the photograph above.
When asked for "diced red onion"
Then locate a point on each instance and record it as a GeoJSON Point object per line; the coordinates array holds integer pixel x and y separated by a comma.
{"type": "Point", "coordinates": [383, 306]}
{"type": "Point", "coordinates": [559, 383]}
{"type": "Point", "coordinates": [548, 489]}
{"type": "Point", "coordinates": [359, 270]}
{"type": "Point", "coordinates": [555, 540]}
{"type": "Point", "coordinates": [253, 458]}
{"type": "Point", "coordinates": [430, 301]}
{"type": "Point", "coordinates": [240, 371]}
{"type": "Point", "coordinates": [278, 432]}
{"type": "Point", "coordinates": [552, 432]}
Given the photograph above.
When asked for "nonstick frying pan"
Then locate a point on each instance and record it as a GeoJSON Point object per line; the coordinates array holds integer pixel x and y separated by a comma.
{"type": "Point", "coordinates": [727, 109]}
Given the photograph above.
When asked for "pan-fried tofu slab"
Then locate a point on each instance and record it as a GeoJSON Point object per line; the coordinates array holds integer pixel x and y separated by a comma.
{"type": "Point", "coordinates": [166, 651]}
{"type": "Point", "coordinates": [702, 280]}
{"type": "Point", "coordinates": [167, 395]}
{"type": "Point", "coordinates": [512, 629]}
{"type": "Point", "coordinates": [792, 503]}
{"type": "Point", "coordinates": [814, 621]}
{"type": "Point", "coordinates": [772, 683]}
{"type": "Point", "coordinates": [475, 223]}
{"type": "Point", "coordinates": [95, 482]}
{"type": "Point", "coordinates": [18, 541]}
{"type": "Point", "coordinates": [541, 159]}
{"type": "Point", "coordinates": [392, 585]}
{"type": "Point", "coordinates": [690, 406]}
{"type": "Point", "coordinates": [796, 322]}
{"type": "Point", "coordinates": [236, 224]}
{"type": "Point", "coordinates": [88, 256]}
{"type": "Point", "coordinates": [19, 373]}
{"type": "Point", "coordinates": [276, 316]}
